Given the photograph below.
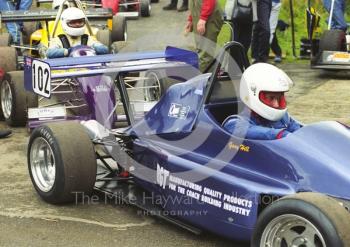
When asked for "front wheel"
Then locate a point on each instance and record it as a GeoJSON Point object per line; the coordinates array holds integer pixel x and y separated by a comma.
{"type": "Point", "coordinates": [303, 220]}
{"type": "Point", "coordinates": [61, 162]}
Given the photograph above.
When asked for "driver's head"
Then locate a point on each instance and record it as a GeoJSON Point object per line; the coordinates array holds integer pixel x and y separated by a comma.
{"type": "Point", "coordinates": [73, 22]}
{"type": "Point", "coordinates": [262, 89]}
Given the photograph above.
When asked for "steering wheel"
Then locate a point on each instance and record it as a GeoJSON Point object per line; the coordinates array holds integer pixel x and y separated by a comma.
{"type": "Point", "coordinates": [81, 51]}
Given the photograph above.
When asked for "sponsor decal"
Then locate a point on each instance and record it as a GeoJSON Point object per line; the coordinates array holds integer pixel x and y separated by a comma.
{"type": "Point", "coordinates": [178, 111]}
{"type": "Point", "coordinates": [218, 199]}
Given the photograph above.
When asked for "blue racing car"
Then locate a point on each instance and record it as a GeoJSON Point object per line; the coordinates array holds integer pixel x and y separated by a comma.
{"type": "Point", "coordinates": [175, 160]}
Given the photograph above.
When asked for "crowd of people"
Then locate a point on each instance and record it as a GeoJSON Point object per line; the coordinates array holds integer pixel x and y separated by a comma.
{"type": "Point", "coordinates": [254, 25]}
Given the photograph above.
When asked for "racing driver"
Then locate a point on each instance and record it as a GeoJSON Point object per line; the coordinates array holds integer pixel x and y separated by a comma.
{"type": "Point", "coordinates": [73, 25]}
{"type": "Point", "coordinates": [265, 117]}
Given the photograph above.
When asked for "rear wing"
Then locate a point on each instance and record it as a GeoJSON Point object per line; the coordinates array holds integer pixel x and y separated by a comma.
{"type": "Point", "coordinates": [48, 15]}
{"type": "Point", "coordinates": [39, 73]}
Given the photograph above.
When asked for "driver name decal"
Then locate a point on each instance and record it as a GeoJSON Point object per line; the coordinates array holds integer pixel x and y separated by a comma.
{"type": "Point", "coordinates": [237, 147]}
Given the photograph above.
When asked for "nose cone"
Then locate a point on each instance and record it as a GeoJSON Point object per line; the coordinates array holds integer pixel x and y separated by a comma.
{"type": "Point", "coordinates": [319, 154]}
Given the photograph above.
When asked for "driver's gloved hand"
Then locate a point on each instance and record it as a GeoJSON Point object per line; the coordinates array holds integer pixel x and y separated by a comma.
{"type": "Point", "coordinates": [57, 52]}
{"type": "Point", "coordinates": [100, 49]}
{"type": "Point", "coordinates": [282, 133]}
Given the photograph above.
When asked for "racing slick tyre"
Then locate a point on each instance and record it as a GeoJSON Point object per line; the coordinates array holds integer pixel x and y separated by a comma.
{"type": "Point", "coordinates": [15, 100]}
{"type": "Point", "coordinates": [61, 162]}
{"type": "Point", "coordinates": [119, 28]}
{"type": "Point", "coordinates": [333, 40]}
{"type": "Point", "coordinates": [5, 39]}
{"type": "Point", "coordinates": [145, 8]}
{"type": "Point", "coordinates": [155, 85]}
{"type": "Point", "coordinates": [8, 58]}
{"type": "Point", "coordinates": [104, 36]}
{"type": "Point", "coordinates": [28, 29]}
{"type": "Point", "coordinates": [304, 219]}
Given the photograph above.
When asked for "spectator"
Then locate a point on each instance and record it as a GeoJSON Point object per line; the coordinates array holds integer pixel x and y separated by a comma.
{"type": "Point", "coordinates": [205, 20]}
{"type": "Point", "coordinates": [265, 117]}
{"type": "Point", "coordinates": [261, 32]}
{"type": "Point", "coordinates": [15, 28]}
{"type": "Point", "coordinates": [173, 4]}
{"type": "Point", "coordinates": [338, 20]}
{"type": "Point", "coordinates": [276, 49]}
{"type": "Point", "coordinates": [242, 25]}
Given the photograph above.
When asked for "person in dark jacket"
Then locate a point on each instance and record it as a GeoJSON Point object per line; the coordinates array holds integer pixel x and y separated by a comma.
{"type": "Point", "coordinates": [261, 32]}
{"type": "Point", "coordinates": [265, 116]}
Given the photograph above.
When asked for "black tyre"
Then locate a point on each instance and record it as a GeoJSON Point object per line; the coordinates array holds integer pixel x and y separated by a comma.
{"type": "Point", "coordinates": [155, 85]}
{"type": "Point", "coordinates": [5, 39]}
{"type": "Point", "coordinates": [145, 8]}
{"type": "Point", "coordinates": [332, 40]}
{"type": "Point", "coordinates": [154, 1]}
{"type": "Point", "coordinates": [29, 29]}
{"type": "Point", "coordinates": [119, 28]}
{"type": "Point", "coordinates": [304, 219]}
{"type": "Point", "coordinates": [15, 100]}
{"type": "Point", "coordinates": [61, 162]}
{"type": "Point", "coordinates": [8, 59]}
{"type": "Point", "coordinates": [104, 36]}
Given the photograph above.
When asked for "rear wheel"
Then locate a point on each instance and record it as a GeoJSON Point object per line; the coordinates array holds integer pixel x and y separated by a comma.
{"type": "Point", "coordinates": [104, 36]}
{"type": "Point", "coordinates": [119, 28]}
{"type": "Point", "coordinates": [15, 100]}
{"type": "Point", "coordinates": [61, 162]}
{"type": "Point", "coordinates": [145, 8]}
{"type": "Point", "coordinates": [332, 40]}
{"type": "Point", "coordinates": [29, 29]}
{"type": "Point", "coordinates": [8, 58]}
{"type": "Point", "coordinates": [305, 219]}
{"type": "Point", "coordinates": [156, 84]}
{"type": "Point", "coordinates": [5, 39]}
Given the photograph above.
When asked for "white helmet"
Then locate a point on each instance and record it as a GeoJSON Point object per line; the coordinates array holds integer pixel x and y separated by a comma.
{"type": "Point", "coordinates": [262, 78]}
{"type": "Point", "coordinates": [57, 3]}
{"type": "Point", "coordinates": [73, 21]}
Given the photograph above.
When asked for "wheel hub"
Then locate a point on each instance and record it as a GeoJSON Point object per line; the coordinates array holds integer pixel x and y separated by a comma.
{"type": "Point", "coordinates": [42, 164]}
{"type": "Point", "coordinates": [300, 242]}
{"type": "Point", "coordinates": [6, 99]}
{"type": "Point", "coordinates": [292, 231]}
{"type": "Point", "coordinates": [152, 87]}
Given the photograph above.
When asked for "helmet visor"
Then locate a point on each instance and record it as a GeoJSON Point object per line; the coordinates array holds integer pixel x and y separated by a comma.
{"type": "Point", "coordinates": [78, 23]}
{"type": "Point", "coordinates": [275, 100]}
